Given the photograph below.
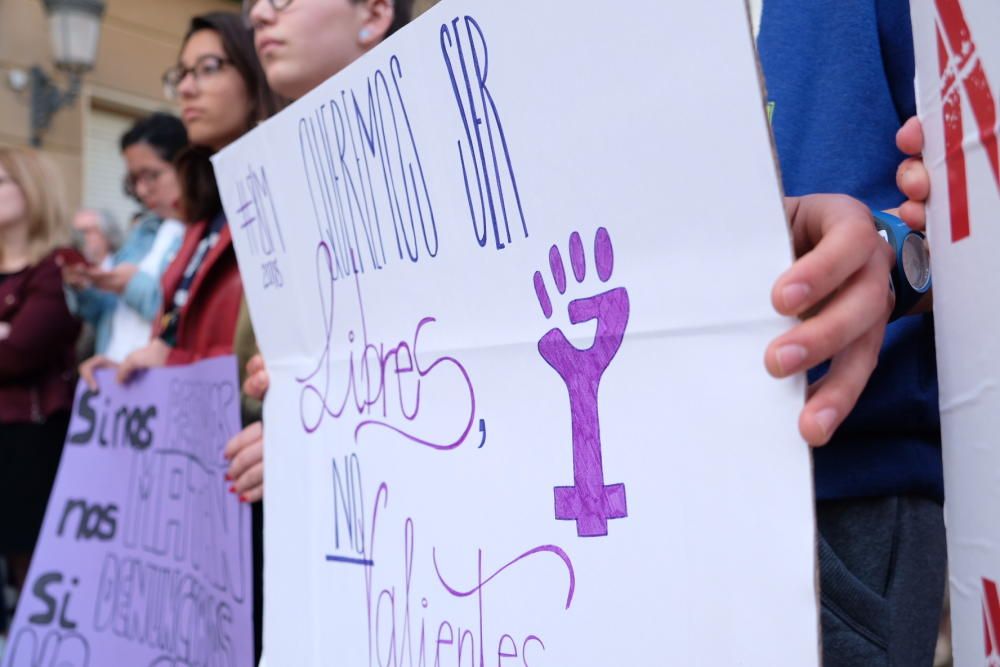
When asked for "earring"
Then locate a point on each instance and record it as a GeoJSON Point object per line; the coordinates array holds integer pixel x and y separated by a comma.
{"type": "Point", "coordinates": [364, 34]}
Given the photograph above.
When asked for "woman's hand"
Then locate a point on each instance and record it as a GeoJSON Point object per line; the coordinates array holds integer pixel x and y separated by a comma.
{"type": "Point", "coordinates": [245, 452]}
{"type": "Point", "coordinates": [153, 355]}
{"type": "Point", "coordinates": [88, 367]}
{"type": "Point", "coordinates": [258, 381]}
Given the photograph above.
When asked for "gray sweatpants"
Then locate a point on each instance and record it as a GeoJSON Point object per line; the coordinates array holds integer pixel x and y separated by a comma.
{"type": "Point", "coordinates": [882, 578]}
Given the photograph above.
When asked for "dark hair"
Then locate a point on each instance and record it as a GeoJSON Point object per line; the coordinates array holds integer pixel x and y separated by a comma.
{"type": "Point", "coordinates": [162, 132]}
{"type": "Point", "coordinates": [237, 42]}
{"type": "Point", "coordinates": [200, 199]}
{"type": "Point", "coordinates": [200, 195]}
{"type": "Point", "coordinates": [402, 14]}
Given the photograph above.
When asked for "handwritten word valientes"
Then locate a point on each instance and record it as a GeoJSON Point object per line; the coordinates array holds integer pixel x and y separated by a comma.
{"type": "Point", "coordinates": [448, 622]}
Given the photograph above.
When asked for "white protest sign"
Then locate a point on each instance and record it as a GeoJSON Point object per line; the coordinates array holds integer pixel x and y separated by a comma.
{"type": "Point", "coordinates": [511, 274]}
{"type": "Point", "coordinates": [958, 83]}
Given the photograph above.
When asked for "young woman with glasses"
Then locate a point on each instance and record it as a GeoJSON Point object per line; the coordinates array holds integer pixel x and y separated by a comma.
{"type": "Point", "coordinates": [222, 94]}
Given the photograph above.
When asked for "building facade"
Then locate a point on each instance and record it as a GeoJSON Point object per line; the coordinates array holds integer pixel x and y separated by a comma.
{"type": "Point", "coordinates": [139, 40]}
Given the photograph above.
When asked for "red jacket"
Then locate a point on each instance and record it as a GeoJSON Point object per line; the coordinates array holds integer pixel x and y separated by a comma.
{"type": "Point", "coordinates": [207, 321]}
{"type": "Point", "coordinates": [37, 349]}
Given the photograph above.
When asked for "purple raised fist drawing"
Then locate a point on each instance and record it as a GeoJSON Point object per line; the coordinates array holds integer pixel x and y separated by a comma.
{"type": "Point", "coordinates": [589, 502]}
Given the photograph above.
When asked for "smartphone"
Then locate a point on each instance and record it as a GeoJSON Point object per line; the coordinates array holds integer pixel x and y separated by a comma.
{"type": "Point", "coordinates": [70, 257]}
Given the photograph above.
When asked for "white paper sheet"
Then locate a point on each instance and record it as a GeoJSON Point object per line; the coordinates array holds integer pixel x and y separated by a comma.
{"type": "Point", "coordinates": [441, 522]}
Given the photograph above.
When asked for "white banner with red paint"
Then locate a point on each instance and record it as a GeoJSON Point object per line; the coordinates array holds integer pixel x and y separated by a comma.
{"type": "Point", "coordinates": [511, 275]}
{"type": "Point", "coordinates": [958, 83]}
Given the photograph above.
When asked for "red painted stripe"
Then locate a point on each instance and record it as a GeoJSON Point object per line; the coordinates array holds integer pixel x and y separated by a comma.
{"type": "Point", "coordinates": [991, 615]}
{"type": "Point", "coordinates": [984, 108]}
{"type": "Point", "coordinates": [958, 197]}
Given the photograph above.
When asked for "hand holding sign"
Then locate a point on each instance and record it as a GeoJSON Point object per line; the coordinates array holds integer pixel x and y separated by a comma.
{"type": "Point", "coordinates": [912, 177]}
{"type": "Point", "coordinates": [843, 268]}
{"type": "Point", "coordinates": [257, 380]}
{"type": "Point", "coordinates": [245, 453]}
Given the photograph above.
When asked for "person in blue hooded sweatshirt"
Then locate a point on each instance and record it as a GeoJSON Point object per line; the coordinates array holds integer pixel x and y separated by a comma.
{"type": "Point", "coordinates": [839, 77]}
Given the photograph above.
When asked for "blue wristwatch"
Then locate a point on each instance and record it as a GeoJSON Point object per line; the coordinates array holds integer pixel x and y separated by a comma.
{"type": "Point", "coordinates": [911, 277]}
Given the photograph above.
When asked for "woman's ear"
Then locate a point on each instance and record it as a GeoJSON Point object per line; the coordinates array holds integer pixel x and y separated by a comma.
{"type": "Point", "coordinates": [377, 21]}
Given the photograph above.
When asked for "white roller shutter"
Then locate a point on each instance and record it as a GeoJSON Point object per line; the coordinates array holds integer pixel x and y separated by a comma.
{"type": "Point", "coordinates": [104, 167]}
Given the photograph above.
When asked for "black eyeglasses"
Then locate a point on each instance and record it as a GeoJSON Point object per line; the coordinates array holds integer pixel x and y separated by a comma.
{"type": "Point", "coordinates": [205, 67]}
{"type": "Point", "coordinates": [276, 5]}
{"type": "Point", "coordinates": [146, 177]}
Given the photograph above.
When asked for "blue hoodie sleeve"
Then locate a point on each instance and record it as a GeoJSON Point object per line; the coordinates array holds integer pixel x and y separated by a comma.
{"type": "Point", "coordinates": [896, 39]}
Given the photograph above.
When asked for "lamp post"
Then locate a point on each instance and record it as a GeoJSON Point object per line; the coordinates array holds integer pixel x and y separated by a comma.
{"type": "Point", "coordinates": [74, 30]}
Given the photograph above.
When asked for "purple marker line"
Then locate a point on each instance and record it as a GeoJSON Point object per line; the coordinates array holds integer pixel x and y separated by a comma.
{"type": "Point", "coordinates": [558, 270]}
{"type": "Point", "coordinates": [576, 257]}
{"type": "Point", "coordinates": [545, 548]}
{"type": "Point", "coordinates": [543, 295]}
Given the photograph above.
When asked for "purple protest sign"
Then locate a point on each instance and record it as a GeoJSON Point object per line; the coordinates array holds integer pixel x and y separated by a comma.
{"type": "Point", "coordinates": [144, 556]}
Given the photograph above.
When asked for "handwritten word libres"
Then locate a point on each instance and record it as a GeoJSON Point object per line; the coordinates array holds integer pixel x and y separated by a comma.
{"type": "Point", "coordinates": [380, 383]}
{"type": "Point", "coordinates": [365, 178]}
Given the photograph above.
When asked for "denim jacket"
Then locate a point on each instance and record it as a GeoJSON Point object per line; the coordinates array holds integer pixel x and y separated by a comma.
{"type": "Point", "coordinates": [142, 293]}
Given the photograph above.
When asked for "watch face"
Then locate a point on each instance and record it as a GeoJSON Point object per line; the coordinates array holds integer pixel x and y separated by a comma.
{"type": "Point", "coordinates": [916, 262]}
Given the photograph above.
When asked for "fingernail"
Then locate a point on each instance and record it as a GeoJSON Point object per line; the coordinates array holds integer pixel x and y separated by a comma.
{"type": "Point", "coordinates": [232, 488]}
{"type": "Point", "coordinates": [794, 295]}
{"type": "Point", "coordinates": [229, 477]}
{"type": "Point", "coordinates": [244, 499]}
{"type": "Point", "coordinates": [789, 358]}
{"type": "Point", "coordinates": [906, 178]}
{"type": "Point", "coordinates": [825, 419]}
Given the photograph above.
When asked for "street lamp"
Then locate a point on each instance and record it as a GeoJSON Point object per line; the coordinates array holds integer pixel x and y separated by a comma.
{"type": "Point", "coordinates": [74, 30]}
